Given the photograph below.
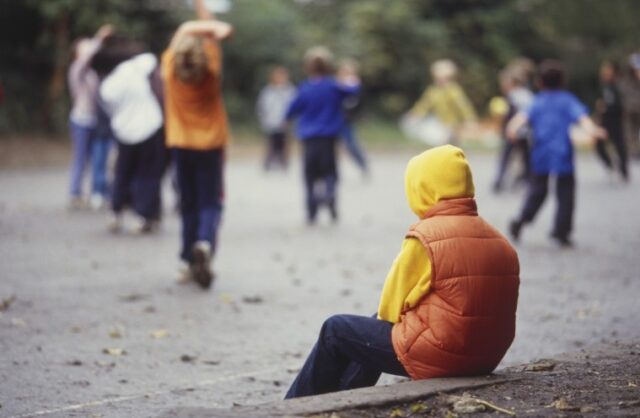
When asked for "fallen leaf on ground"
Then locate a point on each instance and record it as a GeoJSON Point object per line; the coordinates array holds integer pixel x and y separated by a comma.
{"type": "Point", "coordinates": [159, 333]}
{"type": "Point", "coordinates": [540, 366]}
{"type": "Point", "coordinates": [252, 299]}
{"type": "Point", "coordinates": [115, 333]}
{"type": "Point", "coordinates": [74, 363]}
{"type": "Point", "coordinates": [132, 297]}
{"type": "Point", "coordinates": [562, 405]}
{"type": "Point", "coordinates": [187, 358]}
{"type": "Point", "coordinates": [396, 413]}
{"type": "Point", "coordinates": [6, 302]}
{"type": "Point", "coordinates": [114, 351]}
{"type": "Point", "coordinates": [417, 408]}
{"type": "Point", "coordinates": [466, 404]}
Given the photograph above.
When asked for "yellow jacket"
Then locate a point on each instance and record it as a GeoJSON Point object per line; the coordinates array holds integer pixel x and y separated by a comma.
{"type": "Point", "coordinates": [449, 177]}
{"type": "Point", "coordinates": [449, 103]}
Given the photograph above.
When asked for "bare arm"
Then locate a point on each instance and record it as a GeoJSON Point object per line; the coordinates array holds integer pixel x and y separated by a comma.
{"type": "Point", "coordinates": [515, 124]}
{"type": "Point", "coordinates": [202, 13]}
{"type": "Point", "coordinates": [215, 28]}
{"type": "Point", "coordinates": [593, 130]}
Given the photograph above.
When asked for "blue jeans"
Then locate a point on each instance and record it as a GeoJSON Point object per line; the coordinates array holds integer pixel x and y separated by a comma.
{"type": "Point", "coordinates": [99, 154]}
{"type": "Point", "coordinates": [200, 181]}
{"type": "Point", "coordinates": [351, 352]}
{"type": "Point", "coordinates": [351, 142]}
{"type": "Point", "coordinates": [81, 141]}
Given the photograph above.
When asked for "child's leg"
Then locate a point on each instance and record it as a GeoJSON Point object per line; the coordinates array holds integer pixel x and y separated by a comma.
{"type": "Point", "coordinates": [209, 190]}
{"type": "Point", "coordinates": [601, 151]}
{"type": "Point", "coordinates": [565, 191]}
{"type": "Point", "coordinates": [149, 168]}
{"type": "Point", "coordinates": [507, 148]}
{"type": "Point", "coordinates": [124, 172]}
{"type": "Point", "coordinates": [99, 154]}
{"type": "Point", "coordinates": [351, 351]}
{"type": "Point", "coordinates": [81, 139]}
{"type": "Point", "coordinates": [186, 180]}
{"type": "Point", "coordinates": [351, 142]}
{"type": "Point", "coordinates": [310, 176]}
{"type": "Point", "coordinates": [537, 193]}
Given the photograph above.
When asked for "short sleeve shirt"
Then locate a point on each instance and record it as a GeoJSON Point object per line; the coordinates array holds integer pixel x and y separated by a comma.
{"type": "Point", "coordinates": [550, 117]}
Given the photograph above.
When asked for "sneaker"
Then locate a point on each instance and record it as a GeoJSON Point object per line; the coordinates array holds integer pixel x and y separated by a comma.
{"type": "Point", "coordinates": [185, 274]}
{"type": "Point", "coordinates": [97, 202]}
{"type": "Point", "coordinates": [201, 266]}
{"type": "Point", "coordinates": [514, 230]}
{"type": "Point", "coordinates": [144, 226]}
{"type": "Point", "coordinates": [562, 241]}
{"type": "Point", "coordinates": [114, 225]}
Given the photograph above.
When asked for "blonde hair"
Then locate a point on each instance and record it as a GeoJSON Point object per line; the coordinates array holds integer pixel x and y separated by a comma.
{"type": "Point", "coordinates": [444, 70]}
{"type": "Point", "coordinates": [191, 61]}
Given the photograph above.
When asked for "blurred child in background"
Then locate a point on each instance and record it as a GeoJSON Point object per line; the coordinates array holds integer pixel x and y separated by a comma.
{"type": "Point", "coordinates": [609, 111]}
{"type": "Point", "coordinates": [519, 98]}
{"type": "Point", "coordinates": [320, 119]}
{"type": "Point", "coordinates": [445, 100]}
{"type": "Point", "coordinates": [83, 85]}
{"type": "Point", "coordinates": [272, 105]}
{"type": "Point", "coordinates": [550, 116]}
{"type": "Point", "coordinates": [197, 133]}
{"type": "Point", "coordinates": [136, 123]}
{"type": "Point", "coordinates": [630, 89]}
{"type": "Point", "coordinates": [349, 68]}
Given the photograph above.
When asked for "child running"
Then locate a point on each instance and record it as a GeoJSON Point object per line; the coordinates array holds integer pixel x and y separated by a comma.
{"type": "Point", "coordinates": [318, 108]}
{"type": "Point", "coordinates": [448, 305]}
{"type": "Point", "coordinates": [550, 116]}
{"type": "Point", "coordinates": [197, 133]}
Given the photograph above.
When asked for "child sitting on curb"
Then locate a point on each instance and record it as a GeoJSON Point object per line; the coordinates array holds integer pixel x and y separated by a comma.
{"type": "Point", "coordinates": [448, 306]}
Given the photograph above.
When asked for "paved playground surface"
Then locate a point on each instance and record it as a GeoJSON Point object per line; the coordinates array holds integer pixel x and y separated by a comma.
{"type": "Point", "coordinates": [95, 324]}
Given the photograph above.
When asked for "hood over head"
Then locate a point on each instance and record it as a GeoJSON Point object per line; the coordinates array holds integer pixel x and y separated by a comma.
{"type": "Point", "coordinates": [437, 174]}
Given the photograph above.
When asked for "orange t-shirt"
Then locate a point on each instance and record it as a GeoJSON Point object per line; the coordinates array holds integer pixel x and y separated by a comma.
{"type": "Point", "coordinates": [195, 117]}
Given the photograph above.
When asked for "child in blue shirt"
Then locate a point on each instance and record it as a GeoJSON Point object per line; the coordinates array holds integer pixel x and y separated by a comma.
{"type": "Point", "coordinates": [319, 112]}
{"type": "Point", "coordinates": [550, 116]}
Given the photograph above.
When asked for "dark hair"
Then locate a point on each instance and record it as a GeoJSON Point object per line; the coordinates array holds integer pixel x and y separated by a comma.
{"type": "Point", "coordinates": [552, 74]}
{"type": "Point", "coordinates": [318, 66]}
{"type": "Point", "coordinates": [115, 50]}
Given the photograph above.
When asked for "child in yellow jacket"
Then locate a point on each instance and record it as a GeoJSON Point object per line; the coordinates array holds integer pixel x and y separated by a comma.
{"type": "Point", "coordinates": [448, 303]}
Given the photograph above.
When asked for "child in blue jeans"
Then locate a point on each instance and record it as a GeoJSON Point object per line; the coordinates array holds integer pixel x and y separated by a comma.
{"type": "Point", "coordinates": [318, 109]}
{"type": "Point", "coordinates": [550, 116]}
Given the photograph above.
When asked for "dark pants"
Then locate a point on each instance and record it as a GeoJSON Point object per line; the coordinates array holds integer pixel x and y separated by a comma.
{"type": "Point", "coordinates": [522, 146]}
{"type": "Point", "coordinates": [276, 151]}
{"type": "Point", "coordinates": [138, 174]}
{"type": "Point", "coordinates": [616, 138]}
{"type": "Point", "coordinates": [200, 181]}
{"type": "Point", "coordinates": [351, 352]}
{"type": "Point", "coordinates": [320, 174]}
{"type": "Point", "coordinates": [565, 194]}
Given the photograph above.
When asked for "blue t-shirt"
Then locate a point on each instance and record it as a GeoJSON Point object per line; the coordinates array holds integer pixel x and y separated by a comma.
{"type": "Point", "coordinates": [318, 107]}
{"type": "Point", "coordinates": [550, 116]}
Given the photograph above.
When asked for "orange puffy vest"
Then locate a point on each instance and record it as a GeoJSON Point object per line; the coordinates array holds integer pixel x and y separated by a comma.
{"type": "Point", "coordinates": [467, 320]}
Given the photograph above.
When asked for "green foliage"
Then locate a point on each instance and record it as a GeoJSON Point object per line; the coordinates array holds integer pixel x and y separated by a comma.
{"type": "Point", "coordinates": [394, 41]}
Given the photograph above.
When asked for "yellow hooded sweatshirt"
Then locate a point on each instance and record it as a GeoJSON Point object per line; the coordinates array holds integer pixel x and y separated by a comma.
{"type": "Point", "coordinates": [437, 174]}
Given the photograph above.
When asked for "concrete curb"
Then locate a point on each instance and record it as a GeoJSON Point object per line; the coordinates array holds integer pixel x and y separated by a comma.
{"type": "Point", "coordinates": [372, 396]}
